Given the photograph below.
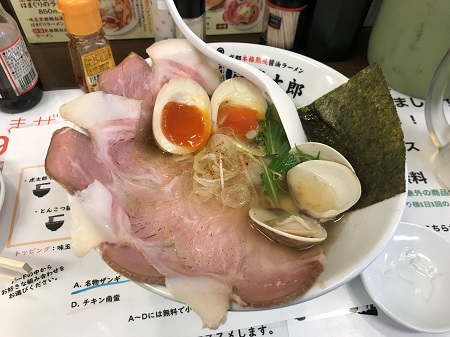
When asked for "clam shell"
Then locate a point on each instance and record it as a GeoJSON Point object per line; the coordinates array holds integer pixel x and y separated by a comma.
{"type": "Point", "coordinates": [323, 189]}
{"type": "Point", "coordinates": [263, 217]}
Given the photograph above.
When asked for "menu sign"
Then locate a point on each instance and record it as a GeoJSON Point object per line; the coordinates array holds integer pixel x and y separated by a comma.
{"type": "Point", "coordinates": [134, 19]}
{"type": "Point", "coordinates": [41, 22]}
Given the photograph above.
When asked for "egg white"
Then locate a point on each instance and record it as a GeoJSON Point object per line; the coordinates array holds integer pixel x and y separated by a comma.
{"type": "Point", "coordinates": [240, 92]}
{"type": "Point", "coordinates": [184, 91]}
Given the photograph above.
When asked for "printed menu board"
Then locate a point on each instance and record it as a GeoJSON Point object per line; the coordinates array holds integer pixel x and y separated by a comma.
{"type": "Point", "coordinates": [135, 19]}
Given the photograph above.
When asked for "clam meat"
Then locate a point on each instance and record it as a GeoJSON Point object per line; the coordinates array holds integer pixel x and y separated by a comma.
{"type": "Point", "coordinates": [287, 228]}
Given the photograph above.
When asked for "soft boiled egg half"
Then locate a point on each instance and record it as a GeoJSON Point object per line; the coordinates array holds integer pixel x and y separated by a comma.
{"type": "Point", "coordinates": [182, 116]}
{"type": "Point", "coordinates": [238, 104]}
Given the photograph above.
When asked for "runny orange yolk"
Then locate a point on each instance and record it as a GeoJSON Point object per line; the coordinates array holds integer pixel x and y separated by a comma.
{"type": "Point", "coordinates": [241, 119]}
{"type": "Point", "coordinates": [185, 125]}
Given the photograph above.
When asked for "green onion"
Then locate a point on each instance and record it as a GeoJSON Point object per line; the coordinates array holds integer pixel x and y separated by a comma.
{"type": "Point", "coordinates": [273, 137]}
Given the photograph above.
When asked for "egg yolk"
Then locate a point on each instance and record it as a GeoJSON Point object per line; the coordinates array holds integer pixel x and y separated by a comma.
{"type": "Point", "coordinates": [241, 119]}
{"type": "Point", "coordinates": [185, 125]}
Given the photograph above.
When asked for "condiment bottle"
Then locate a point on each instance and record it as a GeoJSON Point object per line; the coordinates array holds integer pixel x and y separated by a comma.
{"type": "Point", "coordinates": [89, 49]}
{"type": "Point", "coordinates": [163, 25]}
{"type": "Point", "coordinates": [193, 14]}
{"type": "Point", "coordinates": [334, 28]}
{"type": "Point", "coordinates": [18, 76]}
{"type": "Point", "coordinates": [282, 22]}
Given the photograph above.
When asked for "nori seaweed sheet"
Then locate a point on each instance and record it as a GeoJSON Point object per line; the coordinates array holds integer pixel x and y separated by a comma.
{"type": "Point", "coordinates": [359, 119]}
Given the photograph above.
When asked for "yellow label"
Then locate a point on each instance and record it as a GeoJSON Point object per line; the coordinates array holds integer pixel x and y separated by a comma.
{"type": "Point", "coordinates": [94, 63]}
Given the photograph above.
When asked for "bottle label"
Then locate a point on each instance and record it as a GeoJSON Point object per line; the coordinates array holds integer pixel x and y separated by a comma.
{"type": "Point", "coordinates": [18, 67]}
{"type": "Point", "coordinates": [94, 63]}
{"type": "Point", "coordinates": [275, 21]}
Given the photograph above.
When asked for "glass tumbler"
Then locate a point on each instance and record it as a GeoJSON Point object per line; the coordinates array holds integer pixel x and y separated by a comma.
{"type": "Point", "coordinates": [437, 121]}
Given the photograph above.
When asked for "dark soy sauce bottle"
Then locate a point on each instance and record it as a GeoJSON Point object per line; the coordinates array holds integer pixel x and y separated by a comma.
{"type": "Point", "coordinates": [18, 76]}
{"type": "Point", "coordinates": [333, 28]}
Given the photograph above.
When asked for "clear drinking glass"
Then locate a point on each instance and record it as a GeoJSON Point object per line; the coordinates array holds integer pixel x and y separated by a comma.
{"type": "Point", "coordinates": [437, 123]}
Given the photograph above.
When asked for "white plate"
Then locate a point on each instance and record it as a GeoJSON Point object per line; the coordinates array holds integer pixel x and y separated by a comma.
{"type": "Point", "coordinates": [354, 243]}
{"type": "Point", "coordinates": [2, 191]}
{"type": "Point", "coordinates": [410, 280]}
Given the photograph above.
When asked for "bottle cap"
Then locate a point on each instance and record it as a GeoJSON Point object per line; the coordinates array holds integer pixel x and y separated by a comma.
{"type": "Point", "coordinates": [190, 9]}
{"type": "Point", "coordinates": [81, 17]}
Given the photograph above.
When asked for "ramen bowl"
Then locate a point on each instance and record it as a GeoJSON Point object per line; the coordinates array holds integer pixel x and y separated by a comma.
{"type": "Point", "coordinates": [356, 240]}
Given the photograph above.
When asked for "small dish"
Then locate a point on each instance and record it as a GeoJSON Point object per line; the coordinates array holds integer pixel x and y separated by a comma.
{"type": "Point", "coordinates": [410, 280]}
{"type": "Point", "coordinates": [2, 191]}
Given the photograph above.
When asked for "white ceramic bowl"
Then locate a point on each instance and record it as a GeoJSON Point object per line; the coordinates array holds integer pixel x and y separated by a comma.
{"type": "Point", "coordinates": [357, 241]}
{"type": "Point", "coordinates": [410, 280]}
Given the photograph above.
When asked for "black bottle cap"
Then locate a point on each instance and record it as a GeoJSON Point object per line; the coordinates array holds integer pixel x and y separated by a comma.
{"type": "Point", "coordinates": [288, 3]}
{"type": "Point", "coordinates": [190, 9]}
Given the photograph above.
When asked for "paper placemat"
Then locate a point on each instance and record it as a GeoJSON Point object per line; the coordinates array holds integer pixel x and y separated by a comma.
{"type": "Point", "coordinates": [84, 297]}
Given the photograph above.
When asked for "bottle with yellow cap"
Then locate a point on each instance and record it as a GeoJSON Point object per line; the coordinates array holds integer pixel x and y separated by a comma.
{"type": "Point", "coordinates": [88, 47]}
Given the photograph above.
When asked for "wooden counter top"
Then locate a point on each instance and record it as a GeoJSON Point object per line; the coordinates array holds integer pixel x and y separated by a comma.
{"type": "Point", "coordinates": [55, 69]}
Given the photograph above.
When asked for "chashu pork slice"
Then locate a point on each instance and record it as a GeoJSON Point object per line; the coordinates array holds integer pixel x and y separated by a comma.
{"type": "Point", "coordinates": [128, 201]}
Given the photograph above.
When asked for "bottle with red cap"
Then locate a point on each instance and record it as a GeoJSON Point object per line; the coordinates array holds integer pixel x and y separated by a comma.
{"type": "Point", "coordinates": [18, 76]}
{"type": "Point", "coordinates": [89, 49]}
